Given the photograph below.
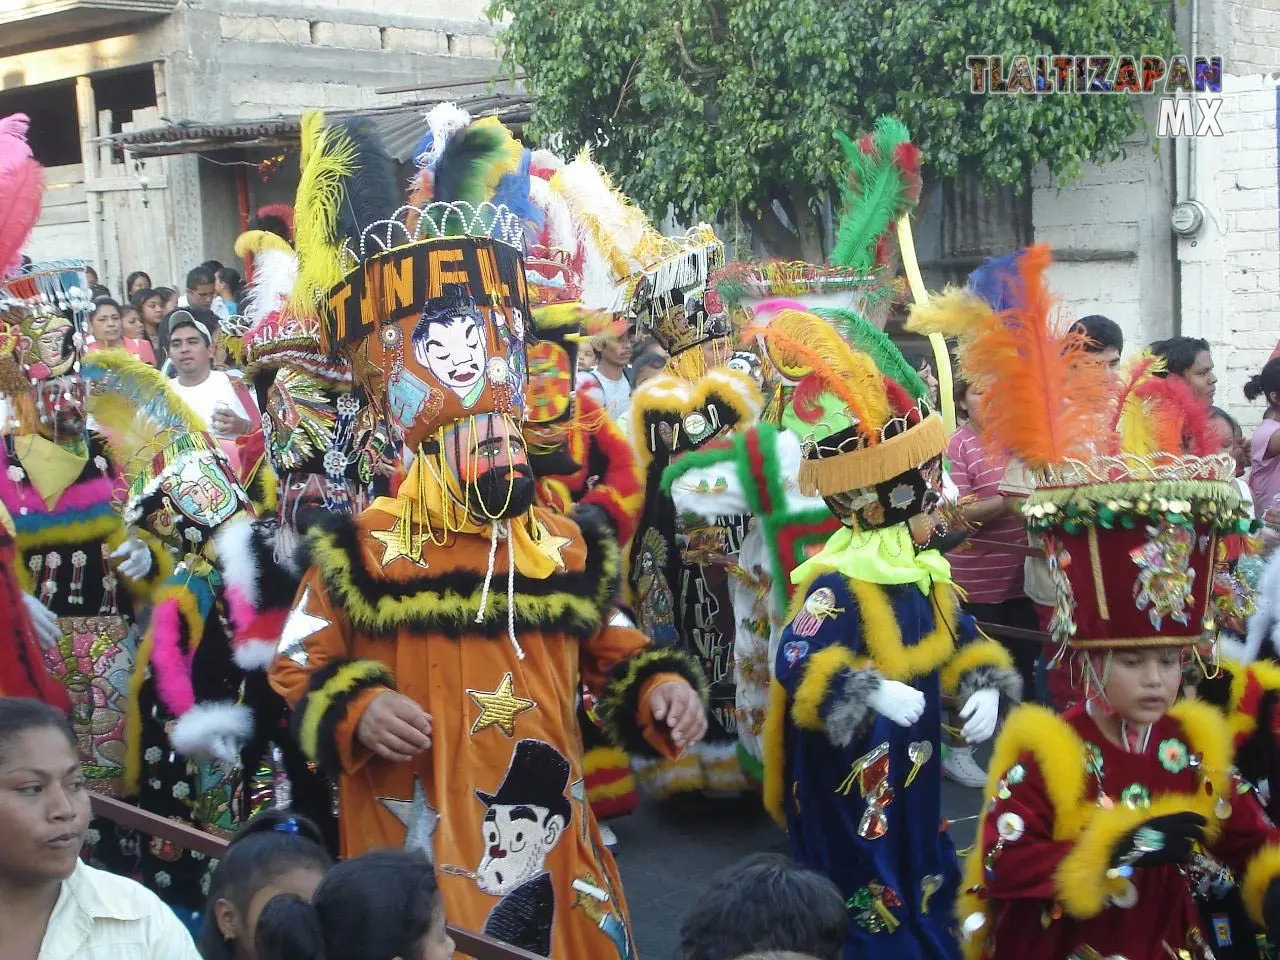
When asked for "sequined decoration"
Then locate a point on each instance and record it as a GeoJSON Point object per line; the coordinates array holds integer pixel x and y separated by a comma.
{"type": "Point", "coordinates": [874, 905]}
{"type": "Point", "coordinates": [1174, 755]}
{"type": "Point", "coordinates": [871, 773]}
{"type": "Point", "coordinates": [1165, 578]}
{"type": "Point", "coordinates": [818, 606]}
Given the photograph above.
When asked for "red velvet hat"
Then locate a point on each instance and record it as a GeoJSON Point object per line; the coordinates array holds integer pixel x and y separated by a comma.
{"type": "Point", "coordinates": [1132, 546]}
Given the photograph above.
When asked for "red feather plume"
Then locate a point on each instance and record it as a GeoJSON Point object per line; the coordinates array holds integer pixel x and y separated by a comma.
{"type": "Point", "coordinates": [1179, 419]}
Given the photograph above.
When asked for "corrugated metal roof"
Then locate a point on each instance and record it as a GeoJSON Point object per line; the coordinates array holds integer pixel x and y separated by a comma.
{"type": "Point", "coordinates": [401, 125]}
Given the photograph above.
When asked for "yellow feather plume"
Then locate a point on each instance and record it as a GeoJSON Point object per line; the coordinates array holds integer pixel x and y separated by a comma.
{"type": "Point", "coordinates": [331, 158]}
{"type": "Point", "coordinates": [802, 343]}
{"type": "Point", "coordinates": [954, 312]}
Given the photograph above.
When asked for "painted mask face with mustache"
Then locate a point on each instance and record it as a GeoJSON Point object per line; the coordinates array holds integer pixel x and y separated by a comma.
{"type": "Point", "coordinates": [487, 457]}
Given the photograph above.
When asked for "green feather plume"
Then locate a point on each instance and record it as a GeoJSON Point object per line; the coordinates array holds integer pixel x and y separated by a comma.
{"type": "Point", "coordinates": [862, 335]}
{"type": "Point", "coordinates": [882, 186]}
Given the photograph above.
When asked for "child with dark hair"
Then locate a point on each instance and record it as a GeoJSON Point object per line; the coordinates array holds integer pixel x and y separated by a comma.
{"type": "Point", "coordinates": [1191, 359]}
{"type": "Point", "coordinates": [274, 854]}
{"type": "Point", "coordinates": [1106, 339]}
{"type": "Point", "coordinates": [1264, 446]}
{"type": "Point", "coordinates": [379, 906]}
{"type": "Point", "coordinates": [766, 902]}
{"type": "Point", "coordinates": [51, 903]}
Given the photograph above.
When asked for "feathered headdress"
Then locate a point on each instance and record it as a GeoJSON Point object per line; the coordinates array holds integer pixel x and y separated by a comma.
{"type": "Point", "coordinates": [1050, 396]}
{"type": "Point", "coordinates": [883, 185]}
{"type": "Point", "coordinates": [328, 159]}
{"type": "Point", "coordinates": [21, 190]}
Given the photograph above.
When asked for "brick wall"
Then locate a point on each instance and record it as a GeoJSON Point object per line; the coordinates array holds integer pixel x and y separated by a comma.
{"type": "Point", "coordinates": [1233, 297]}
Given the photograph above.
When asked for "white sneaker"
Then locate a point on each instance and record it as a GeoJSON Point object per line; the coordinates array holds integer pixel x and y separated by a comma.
{"type": "Point", "coordinates": [963, 769]}
{"type": "Point", "coordinates": [609, 838]}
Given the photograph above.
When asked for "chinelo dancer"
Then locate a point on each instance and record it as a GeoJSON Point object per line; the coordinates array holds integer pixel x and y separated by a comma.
{"type": "Point", "coordinates": [447, 628]}
{"type": "Point", "coordinates": [1097, 821]}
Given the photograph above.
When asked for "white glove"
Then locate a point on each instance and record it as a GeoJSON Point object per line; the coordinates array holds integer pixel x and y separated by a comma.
{"type": "Point", "coordinates": [137, 558]}
{"type": "Point", "coordinates": [43, 622]}
{"type": "Point", "coordinates": [899, 702]}
{"type": "Point", "coordinates": [980, 713]}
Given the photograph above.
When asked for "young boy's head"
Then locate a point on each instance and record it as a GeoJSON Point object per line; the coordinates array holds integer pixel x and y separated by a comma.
{"type": "Point", "coordinates": [765, 902]}
{"type": "Point", "coordinates": [1140, 684]}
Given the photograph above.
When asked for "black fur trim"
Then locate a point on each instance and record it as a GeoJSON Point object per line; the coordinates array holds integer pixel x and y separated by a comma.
{"type": "Point", "coordinates": [596, 583]}
{"type": "Point", "coordinates": [620, 704]}
{"type": "Point", "coordinates": [846, 707]}
{"type": "Point", "coordinates": [325, 752]}
{"type": "Point", "coordinates": [1008, 682]}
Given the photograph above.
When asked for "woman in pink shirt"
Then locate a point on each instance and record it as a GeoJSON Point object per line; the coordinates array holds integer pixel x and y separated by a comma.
{"type": "Point", "coordinates": [992, 578]}
{"type": "Point", "coordinates": [1264, 453]}
{"type": "Point", "coordinates": [108, 332]}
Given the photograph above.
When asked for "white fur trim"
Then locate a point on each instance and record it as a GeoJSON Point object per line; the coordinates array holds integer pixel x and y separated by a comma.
{"type": "Point", "coordinates": [197, 729]}
{"type": "Point", "coordinates": [255, 654]}
{"type": "Point", "coordinates": [237, 557]}
{"type": "Point", "coordinates": [730, 499]}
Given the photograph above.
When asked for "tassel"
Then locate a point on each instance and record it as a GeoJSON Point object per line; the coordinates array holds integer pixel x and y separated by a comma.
{"type": "Point", "coordinates": [869, 466]}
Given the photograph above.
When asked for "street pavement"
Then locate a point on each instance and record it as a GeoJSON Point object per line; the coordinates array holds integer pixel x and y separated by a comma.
{"type": "Point", "coordinates": [669, 852]}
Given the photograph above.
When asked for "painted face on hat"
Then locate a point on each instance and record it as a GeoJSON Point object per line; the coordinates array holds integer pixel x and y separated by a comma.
{"type": "Point", "coordinates": [195, 500]}
{"type": "Point", "coordinates": [452, 347]}
{"type": "Point", "coordinates": [50, 346]}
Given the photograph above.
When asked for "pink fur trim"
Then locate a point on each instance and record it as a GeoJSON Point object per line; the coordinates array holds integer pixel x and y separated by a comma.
{"type": "Point", "coordinates": [78, 496]}
{"type": "Point", "coordinates": [241, 608]}
{"type": "Point", "coordinates": [172, 666]}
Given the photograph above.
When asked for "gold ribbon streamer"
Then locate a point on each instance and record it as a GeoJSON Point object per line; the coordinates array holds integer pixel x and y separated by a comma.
{"type": "Point", "coordinates": [941, 356]}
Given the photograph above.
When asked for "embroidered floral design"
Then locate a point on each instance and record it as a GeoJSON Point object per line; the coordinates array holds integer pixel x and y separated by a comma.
{"type": "Point", "coordinates": [1093, 759]}
{"type": "Point", "coordinates": [1164, 583]}
{"type": "Point", "coordinates": [1135, 796]}
{"type": "Point", "coordinates": [1173, 755]}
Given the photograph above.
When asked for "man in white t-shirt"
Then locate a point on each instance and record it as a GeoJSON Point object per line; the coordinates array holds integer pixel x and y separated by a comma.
{"type": "Point", "coordinates": [607, 382]}
{"type": "Point", "coordinates": [225, 405]}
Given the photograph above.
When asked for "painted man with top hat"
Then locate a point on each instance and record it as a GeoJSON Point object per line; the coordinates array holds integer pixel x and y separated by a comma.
{"type": "Point", "coordinates": [438, 638]}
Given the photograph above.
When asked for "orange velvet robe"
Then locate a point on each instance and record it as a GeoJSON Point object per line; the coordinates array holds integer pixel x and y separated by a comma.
{"type": "Point", "coordinates": [498, 801]}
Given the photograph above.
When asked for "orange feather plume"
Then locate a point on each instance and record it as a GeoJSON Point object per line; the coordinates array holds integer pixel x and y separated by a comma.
{"type": "Point", "coordinates": [1050, 395]}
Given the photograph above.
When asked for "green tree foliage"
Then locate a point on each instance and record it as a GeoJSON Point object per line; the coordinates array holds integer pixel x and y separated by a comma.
{"type": "Point", "coordinates": [723, 106]}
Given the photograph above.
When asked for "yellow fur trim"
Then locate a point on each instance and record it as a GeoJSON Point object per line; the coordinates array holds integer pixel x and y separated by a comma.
{"type": "Point", "coordinates": [611, 791]}
{"type": "Point", "coordinates": [348, 677]}
{"type": "Point", "coordinates": [883, 636]}
{"type": "Point", "coordinates": [773, 740]}
{"type": "Point", "coordinates": [1267, 674]}
{"type": "Point", "coordinates": [605, 758]}
{"type": "Point", "coordinates": [677, 397]}
{"type": "Point", "coordinates": [255, 241]}
{"type": "Point", "coordinates": [388, 612]}
{"type": "Point", "coordinates": [819, 671]}
{"type": "Point", "coordinates": [980, 653]}
{"type": "Point", "coordinates": [1263, 868]}
{"type": "Point", "coordinates": [1206, 733]}
{"type": "Point", "coordinates": [1081, 881]}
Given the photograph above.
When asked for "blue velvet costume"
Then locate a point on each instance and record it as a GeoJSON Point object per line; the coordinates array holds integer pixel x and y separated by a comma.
{"type": "Point", "coordinates": [887, 853]}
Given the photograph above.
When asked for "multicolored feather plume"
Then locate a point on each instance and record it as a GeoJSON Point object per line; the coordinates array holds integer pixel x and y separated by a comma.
{"type": "Point", "coordinates": [803, 345]}
{"type": "Point", "coordinates": [330, 160]}
{"type": "Point", "coordinates": [1052, 397]}
{"type": "Point", "coordinates": [135, 408]}
{"type": "Point", "coordinates": [883, 186]}
{"type": "Point", "coordinates": [863, 335]}
{"type": "Point", "coordinates": [21, 190]}
{"type": "Point", "coordinates": [1178, 420]}
{"type": "Point", "coordinates": [474, 162]}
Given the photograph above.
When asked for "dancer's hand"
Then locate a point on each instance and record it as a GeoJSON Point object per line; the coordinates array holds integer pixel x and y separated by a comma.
{"type": "Point", "coordinates": [43, 621]}
{"type": "Point", "coordinates": [678, 704]}
{"type": "Point", "coordinates": [980, 713]}
{"type": "Point", "coordinates": [136, 562]}
{"type": "Point", "coordinates": [902, 704]}
{"type": "Point", "coordinates": [395, 727]}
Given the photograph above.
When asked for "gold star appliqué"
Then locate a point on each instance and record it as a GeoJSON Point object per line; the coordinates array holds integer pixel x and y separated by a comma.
{"type": "Point", "coordinates": [393, 542]}
{"type": "Point", "coordinates": [499, 708]}
{"type": "Point", "coordinates": [549, 545]}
